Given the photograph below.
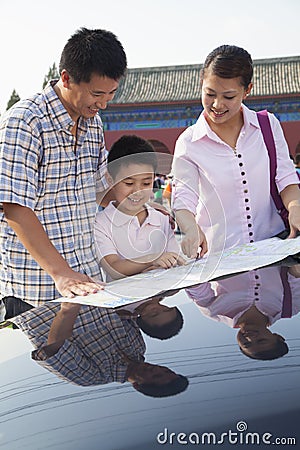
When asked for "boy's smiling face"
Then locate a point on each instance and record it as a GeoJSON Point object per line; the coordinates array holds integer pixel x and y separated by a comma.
{"type": "Point", "coordinates": [133, 187]}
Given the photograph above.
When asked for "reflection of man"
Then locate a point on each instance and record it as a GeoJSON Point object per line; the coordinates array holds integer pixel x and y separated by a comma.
{"type": "Point", "coordinates": [252, 302]}
{"type": "Point", "coordinates": [98, 348]}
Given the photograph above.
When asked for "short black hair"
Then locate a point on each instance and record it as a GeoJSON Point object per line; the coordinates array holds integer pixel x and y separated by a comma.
{"type": "Point", "coordinates": [130, 149]}
{"type": "Point", "coordinates": [176, 386]}
{"type": "Point", "coordinates": [165, 331]}
{"type": "Point", "coordinates": [93, 51]}
{"type": "Point", "coordinates": [297, 158]}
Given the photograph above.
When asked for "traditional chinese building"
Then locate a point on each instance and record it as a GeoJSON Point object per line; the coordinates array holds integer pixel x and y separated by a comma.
{"type": "Point", "coordinates": [158, 103]}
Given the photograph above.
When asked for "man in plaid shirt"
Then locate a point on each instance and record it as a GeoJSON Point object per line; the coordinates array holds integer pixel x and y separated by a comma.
{"type": "Point", "coordinates": [52, 164]}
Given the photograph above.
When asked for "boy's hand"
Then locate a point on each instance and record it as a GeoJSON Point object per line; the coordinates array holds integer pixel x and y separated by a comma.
{"type": "Point", "coordinates": [168, 260]}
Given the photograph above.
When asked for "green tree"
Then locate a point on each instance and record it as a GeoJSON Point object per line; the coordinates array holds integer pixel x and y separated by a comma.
{"type": "Point", "coordinates": [14, 98]}
{"type": "Point", "coordinates": [52, 73]}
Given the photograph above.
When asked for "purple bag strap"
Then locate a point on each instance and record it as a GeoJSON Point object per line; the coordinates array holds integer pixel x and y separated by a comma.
{"type": "Point", "coordinates": [266, 129]}
{"type": "Point", "coordinates": [287, 293]}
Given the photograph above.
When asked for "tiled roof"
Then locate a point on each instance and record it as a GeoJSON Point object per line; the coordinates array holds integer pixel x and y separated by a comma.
{"type": "Point", "coordinates": [276, 76]}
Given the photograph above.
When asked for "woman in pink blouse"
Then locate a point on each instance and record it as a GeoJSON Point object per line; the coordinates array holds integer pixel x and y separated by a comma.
{"type": "Point", "coordinates": [221, 191]}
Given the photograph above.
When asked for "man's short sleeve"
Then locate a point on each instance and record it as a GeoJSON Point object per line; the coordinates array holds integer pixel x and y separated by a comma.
{"type": "Point", "coordinates": [19, 158]}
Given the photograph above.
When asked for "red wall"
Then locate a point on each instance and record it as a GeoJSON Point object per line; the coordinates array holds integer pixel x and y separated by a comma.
{"type": "Point", "coordinates": [292, 134]}
{"type": "Point", "coordinates": [168, 136]}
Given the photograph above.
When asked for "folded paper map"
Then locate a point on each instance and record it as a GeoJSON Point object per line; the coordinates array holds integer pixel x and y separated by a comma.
{"type": "Point", "coordinates": [234, 260]}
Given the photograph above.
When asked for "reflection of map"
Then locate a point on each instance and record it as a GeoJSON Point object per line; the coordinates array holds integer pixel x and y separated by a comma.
{"type": "Point", "coordinates": [238, 259]}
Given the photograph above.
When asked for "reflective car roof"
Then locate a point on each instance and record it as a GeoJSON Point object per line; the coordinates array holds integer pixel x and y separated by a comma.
{"type": "Point", "coordinates": [231, 399]}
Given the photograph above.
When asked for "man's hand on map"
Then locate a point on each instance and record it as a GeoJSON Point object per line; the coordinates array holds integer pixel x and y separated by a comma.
{"type": "Point", "coordinates": [71, 283]}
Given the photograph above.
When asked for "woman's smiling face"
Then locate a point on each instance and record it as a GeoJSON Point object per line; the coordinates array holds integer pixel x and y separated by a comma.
{"type": "Point", "coordinates": [222, 97]}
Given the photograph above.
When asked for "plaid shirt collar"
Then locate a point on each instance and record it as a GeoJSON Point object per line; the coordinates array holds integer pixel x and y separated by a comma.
{"type": "Point", "coordinates": [59, 113]}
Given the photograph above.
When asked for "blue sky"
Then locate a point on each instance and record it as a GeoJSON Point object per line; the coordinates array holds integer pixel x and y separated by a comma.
{"type": "Point", "coordinates": [153, 32]}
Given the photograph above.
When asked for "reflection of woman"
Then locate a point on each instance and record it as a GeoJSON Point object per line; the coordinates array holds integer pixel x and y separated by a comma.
{"type": "Point", "coordinates": [252, 302]}
{"type": "Point", "coordinates": [223, 157]}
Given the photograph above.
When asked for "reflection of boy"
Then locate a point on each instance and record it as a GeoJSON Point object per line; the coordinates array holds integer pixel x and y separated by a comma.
{"type": "Point", "coordinates": [153, 318]}
{"type": "Point", "coordinates": [130, 236]}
